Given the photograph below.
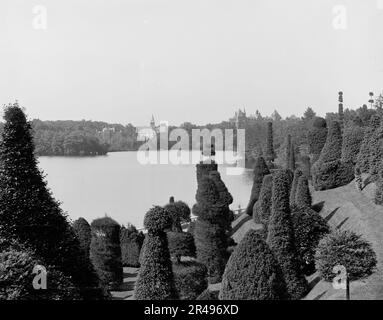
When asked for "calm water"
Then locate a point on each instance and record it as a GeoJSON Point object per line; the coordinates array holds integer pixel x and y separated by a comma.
{"type": "Point", "coordinates": [118, 185]}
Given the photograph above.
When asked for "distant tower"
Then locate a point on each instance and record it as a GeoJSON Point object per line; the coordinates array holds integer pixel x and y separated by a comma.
{"type": "Point", "coordinates": [240, 119]}
{"type": "Point", "coordinates": [152, 123]}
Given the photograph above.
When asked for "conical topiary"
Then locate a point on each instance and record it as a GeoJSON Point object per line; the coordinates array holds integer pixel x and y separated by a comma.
{"type": "Point", "coordinates": [297, 174]}
{"type": "Point", "coordinates": [262, 208]}
{"type": "Point", "coordinates": [252, 272]}
{"type": "Point", "coordinates": [303, 195]}
{"type": "Point", "coordinates": [280, 237]}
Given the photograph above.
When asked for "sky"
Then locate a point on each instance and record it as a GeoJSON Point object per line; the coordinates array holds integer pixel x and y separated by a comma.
{"type": "Point", "coordinates": [197, 60]}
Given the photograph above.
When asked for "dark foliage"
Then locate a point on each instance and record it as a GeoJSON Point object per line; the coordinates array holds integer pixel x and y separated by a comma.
{"type": "Point", "coordinates": [82, 229]}
{"type": "Point", "coordinates": [303, 195]}
{"type": "Point", "coordinates": [28, 212]}
{"type": "Point", "coordinates": [260, 170]}
{"type": "Point", "coordinates": [131, 241]}
{"type": "Point", "coordinates": [180, 213]}
{"type": "Point", "coordinates": [17, 264]}
{"type": "Point", "coordinates": [317, 135]}
{"type": "Point", "coordinates": [262, 208]}
{"type": "Point", "coordinates": [329, 171]}
{"type": "Point", "coordinates": [155, 279]}
{"type": "Point", "coordinates": [105, 251]}
{"type": "Point", "coordinates": [252, 272]}
{"type": "Point", "coordinates": [280, 236]}
{"type": "Point", "coordinates": [309, 227]}
{"type": "Point", "coordinates": [352, 140]}
{"type": "Point", "coordinates": [181, 244]}
{"type": "Point", "coordinates": [297, 174]}
{"type": "Point", "coordinates": [345, 248]}
{"type": "Point", "coordinates": [208, 295]}
{"type": "Point", "coordinates": [270, 154]}
{"type": "Point", "coordinates": [190, 279]}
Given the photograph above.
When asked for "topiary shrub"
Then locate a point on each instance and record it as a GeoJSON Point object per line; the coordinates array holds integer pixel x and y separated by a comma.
{"type": "Point", "coordinates": [155, 279]}
{"type": "Point", "coordinates": [180, 213]}
{"type": "Point", "coordinates": [317, 137]}
{"type": "Point", "coordinates": [190, 279]}
{"type": "Point", "coordinates": [260, 170]}
{"type": "Point", "coordinates": [181, 244]}
{"type": "Point", "coordinates": [224, 194]}
{"type": "Point", "coordinates": [262, 207]}
{"type": "Point", "coordinates": [290, 154]}
{"type": "Point", "coordinates": [329, 172]}
{"type": "Point", "coordinates": [28, 212]}
{"type": "Point", "coordinates": [105, 251]}
{"type": "Point", "coordinates": [82, 229]}
{"type": "Point", "coordinates": [303, 195]}
{"type": "Point", "coordinates": [131, 241]}
{"type": "Point", "coordinates": [17, 264]}
{"type": "Point", "coordinates": [211, 228]}
{"type": "Point", "coordinates": [309, 227]}
{"type": "Point", "coordinates": [376, 151]}
{"type": "Point", "coordinates": [280, 236]}
{"type": "Point", "coordinates": [297, 174]}
{"type": "Point", "coordinates": [352, 140]}
{"type": "Point", "coordinates": [379, 188]}
{"type": "Point", "coordinates": [252, 272]}
{"type": "Point", "coordinates": [345, 248]}
{"type": "Point", "coordinates": [363, 158]}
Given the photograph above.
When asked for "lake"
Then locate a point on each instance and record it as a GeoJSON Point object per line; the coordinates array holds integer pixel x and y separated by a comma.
{"type": "Point", "coordinates": [121, 187]}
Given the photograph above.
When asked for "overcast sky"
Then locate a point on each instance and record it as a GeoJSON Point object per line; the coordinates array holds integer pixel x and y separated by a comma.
{"type": "Point", "coordinates": [187, 60]}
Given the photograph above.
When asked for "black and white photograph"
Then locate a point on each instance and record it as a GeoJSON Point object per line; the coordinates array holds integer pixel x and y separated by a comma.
{"type": "Point", "coordinates": [207, 151]}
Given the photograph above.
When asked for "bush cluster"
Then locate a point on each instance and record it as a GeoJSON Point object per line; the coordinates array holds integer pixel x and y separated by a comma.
{"type": "Point", "coordinates": [131, 241]}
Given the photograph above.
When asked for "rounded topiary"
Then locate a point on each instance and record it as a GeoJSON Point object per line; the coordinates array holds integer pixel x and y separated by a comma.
{"type": "Point", "coordinates": [345, 248]}
{"type": "Point", "coordinates": [260, 170]}
{"type": "Point", "coordinates": [190, 279]}
{"type": "Point", "coordinates": [309, 227]}
{"type": "Point", "coordinates": [180, 213]}
{"type": "Point", "coordinates": [252, 272]}
{"type": "Point", "coordinates": [297, 174]}
{"type": "Point", "coordinates": [303, 195]}
{"type": "Point", "coordinates": [157, 219]}
{"type": "Point", "coordinates": [280, 236]}
{"type": "Point", "coordinates": [262, 207]}
{"type": "Point", "coordinates": [131, 241]}
{"type": "Point", "coordinates": [105, 251]}
{"type": "Point", "coordinates": [155, 279]}
{"type": "Point", "coordinates": [83, 232]}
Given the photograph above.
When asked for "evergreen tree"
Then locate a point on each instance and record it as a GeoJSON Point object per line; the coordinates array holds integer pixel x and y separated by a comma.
{"type": "Point", "coordinates": [352, 140]}
{"type": "Point", "coordinates": [210, 233]}
{"type": "Point", "coordinates": [260, 170]}
{"type": "Point", "coordinates": [82, 229]}
{"type": "Point", "coordinates": [155, 279]}
{"type": "Point", "coordinates": [262, 208]}
{"type": "Point", "coordinates": [317, 137]}
{"type": "Point", "coordinates": [306, 166]}
{"type": "Point", "coordinates": [270, 154]}
{"type": "Point", "coordinates": [340, 108]}
{"type": "Point", "coordinates": [131, 241]}
{"type": "Point", "coordinates": [367, 146]}
{"type": "Point", "coordinates": [290, 154]}
{"type": "Point", "coordinates": [280, 237]}
{"type": "Point", "coordinates": [252, 272]}
{"type": "Point", "coordinates": [105, 251]}
{"type": "Point", "coordinates": [309, 114]}
{"type": "Point", "coordinates": [303, 195]}
{"type": "Point", "coordinates": [329, 171]}
{"type": "Point", "coordinates": [297, 174]}
{"type": "Point", "coordinates": [28, 212]}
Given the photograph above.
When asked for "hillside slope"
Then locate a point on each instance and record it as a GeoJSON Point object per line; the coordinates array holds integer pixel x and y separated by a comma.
{"type": "Point", "coordinates": [347, 208]}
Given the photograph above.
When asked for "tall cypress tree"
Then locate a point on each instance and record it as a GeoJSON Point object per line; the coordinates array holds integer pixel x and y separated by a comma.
{"type": "Point", "coordinates": [270, 154]}
{"type": "Point", "coordinates": [290, 154]}
{"type": "Point", "coordinates": [340, 108]}
{"type": "Point", "coordinates": [280, 236]}
{"type": "Point", "coordinates": [260, 170]}
{"type": "Point", "coordinates": [263, 205]}
{"type": "Point", "coordinates": [28, 212]}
